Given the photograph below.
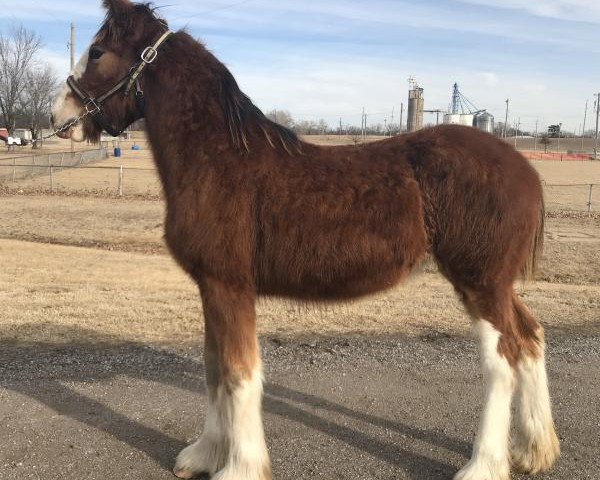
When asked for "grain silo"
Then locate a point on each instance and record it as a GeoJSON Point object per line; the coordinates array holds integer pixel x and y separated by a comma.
{"type": "Point", "coordinates": [416, 103]}
{"type": "Point", "coordinates": [452, 119]}
{"type": "Point", "coordinates": [484, 121]}
{"type": "Point", "coordinates": [463, 112]}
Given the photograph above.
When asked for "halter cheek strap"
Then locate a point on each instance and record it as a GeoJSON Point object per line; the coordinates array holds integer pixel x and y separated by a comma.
{"type": "Point", "coordinates": [148, 56]}
{"type": "Point", "coordinates": [93, 105]}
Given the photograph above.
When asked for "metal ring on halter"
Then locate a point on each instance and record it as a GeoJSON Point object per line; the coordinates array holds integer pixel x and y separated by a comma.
{"type": "Point", "coordinates": [92, 102]}
{"type": "Point", "coordinates": [149, 55]}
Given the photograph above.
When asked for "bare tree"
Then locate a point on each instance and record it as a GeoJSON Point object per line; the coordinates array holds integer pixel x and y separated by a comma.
{"type": "Point", "coordinates": [282, 117]}
{"type": "Point", "coordinates": [322, 127]}
{"type": "Point", "coordinates": [36, 101]}
{"type": "Point", "coordinates": [545, 141]}
{"type": "Point", "coordinates": [306, 127]}
{"type": "Point", "coordinates": [17, 51]}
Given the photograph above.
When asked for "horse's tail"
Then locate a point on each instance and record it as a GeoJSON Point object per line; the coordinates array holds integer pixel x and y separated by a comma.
{"type": "Point", "coordinates": [537, 245]}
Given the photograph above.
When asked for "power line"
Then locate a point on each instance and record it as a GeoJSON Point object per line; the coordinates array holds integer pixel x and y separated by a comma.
{"type": "Point", "coordinates": [217, 9]}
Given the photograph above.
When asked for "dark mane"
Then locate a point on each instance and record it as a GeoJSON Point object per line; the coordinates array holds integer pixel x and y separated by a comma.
{"type": "Point", "coordinates": [112, 28]}
{"type": "Point", "coordinates": [241, 114]}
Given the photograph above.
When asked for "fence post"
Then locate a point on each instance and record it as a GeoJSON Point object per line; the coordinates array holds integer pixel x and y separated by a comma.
{"type": "Point", "coordinates": [51, 178]}
{"type": "Point", "coordinates": [14, 169]}
{"type": "Point", "coordinates": [590, 199]}
{"type": "Point", "coordinates": [120, 180]}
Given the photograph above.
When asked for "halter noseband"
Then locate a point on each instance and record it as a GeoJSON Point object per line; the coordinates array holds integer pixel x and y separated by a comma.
{"type": "Point", "coordinates": [93, 105]}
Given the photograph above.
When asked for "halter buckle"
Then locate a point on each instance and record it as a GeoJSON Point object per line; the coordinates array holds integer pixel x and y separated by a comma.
{"type": "Point", "coordinates": [95, 108]}
{"type": "Point", "coordinates": [149, 55]}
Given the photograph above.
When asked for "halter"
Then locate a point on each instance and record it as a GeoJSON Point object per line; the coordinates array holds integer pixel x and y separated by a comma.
{"type": "Point", "coordinates": [93, 105]}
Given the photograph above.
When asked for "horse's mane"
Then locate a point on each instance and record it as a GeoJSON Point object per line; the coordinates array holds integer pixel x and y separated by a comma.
{"type": "Point", "coordinates": [112, 28]}
{"type": "Point", "coordinates": [240, 114]}
{"type": "Point", "coordinates": [238, 110]}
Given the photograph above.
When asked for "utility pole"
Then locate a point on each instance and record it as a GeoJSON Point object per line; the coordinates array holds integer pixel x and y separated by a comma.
{"type": "Point", "coordinates": [536, 135]}
{"type": "Point", "coordinates": [72, 46]}
{"type": "Point", "coordinates": [401, 117]}
{"type": "Point", "coordinates": [559, 134]}
{"type": "Point", "coordinates": [597, 95]}
{"type": "Point", "coordinates": [583, 128]}
{"type": "Point", "coordinates": [362, 124]}
{"type": "Point", "coordinates": [506, 119]}
{"type": "Point", "coordinates": [72, 49]}
{"type": "Point", "coordinates": [341, 128]}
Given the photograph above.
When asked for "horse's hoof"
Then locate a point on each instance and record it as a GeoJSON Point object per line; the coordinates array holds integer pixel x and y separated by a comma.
{"type": "Point", "coordinates": [183, 473]}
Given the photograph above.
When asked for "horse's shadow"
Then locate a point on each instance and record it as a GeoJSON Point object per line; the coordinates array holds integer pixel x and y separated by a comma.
{"type": "Point", "coordinates": [279, 400]}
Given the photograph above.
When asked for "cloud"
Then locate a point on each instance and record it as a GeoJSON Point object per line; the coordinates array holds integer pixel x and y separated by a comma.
{"type": "Point", "coordinates": [55, 11]}
{"type": "Point", "coordinates": [575, 10]}
{"type": "Point", "coordinates": [326, 59]}
{"type": "Point", "coordinates": [489, 78]}
{"type": "Point", "coordinates": [330, 89]}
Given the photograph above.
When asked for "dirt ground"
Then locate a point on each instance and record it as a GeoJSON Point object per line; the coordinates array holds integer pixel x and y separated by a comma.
{"type": "Point", "coordinates": [370, 408]}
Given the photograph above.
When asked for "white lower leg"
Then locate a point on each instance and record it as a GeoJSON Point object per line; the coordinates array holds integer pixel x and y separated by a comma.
{"type": "Point", "coordinates": [535, 446]}
{"type": "Point", "coordinates": [490, 451]}
{"type": "Point", "coordinates": [209, 453]}
{"type": "Point", "coordinates": [232, 445]}
{"type": "Point", "coordinates": [240, 408]}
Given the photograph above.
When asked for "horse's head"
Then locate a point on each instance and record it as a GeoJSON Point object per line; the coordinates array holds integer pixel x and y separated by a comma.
{"type": "Point", "coordinates": [126, 32]}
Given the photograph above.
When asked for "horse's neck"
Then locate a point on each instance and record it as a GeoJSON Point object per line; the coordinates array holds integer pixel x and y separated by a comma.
{"type": "Point", "coordinates": [183, 125]}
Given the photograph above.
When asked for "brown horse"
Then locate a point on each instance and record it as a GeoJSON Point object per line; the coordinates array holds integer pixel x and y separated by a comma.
{"type": "Point", "coordinates": [252, 210]}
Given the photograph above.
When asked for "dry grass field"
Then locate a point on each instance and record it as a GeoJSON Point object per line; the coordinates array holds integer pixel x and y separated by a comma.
{"type": "Point", "coordinates": [85, 258]}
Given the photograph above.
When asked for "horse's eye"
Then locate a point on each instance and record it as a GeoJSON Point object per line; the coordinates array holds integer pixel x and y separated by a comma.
{"type": "Point", "coordinates": [96, 53]}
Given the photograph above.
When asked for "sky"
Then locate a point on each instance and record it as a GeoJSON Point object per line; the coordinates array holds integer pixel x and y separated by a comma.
{"type": "Point", "coordinates": [329, 59]}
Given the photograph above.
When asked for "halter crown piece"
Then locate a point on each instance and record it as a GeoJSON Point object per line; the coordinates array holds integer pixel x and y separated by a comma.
{"type": "Point", "coordinates": [93, 105]}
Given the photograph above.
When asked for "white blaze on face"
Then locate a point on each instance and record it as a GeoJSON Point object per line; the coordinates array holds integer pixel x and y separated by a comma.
{"type": "Point", "coordinates": [66, 107]}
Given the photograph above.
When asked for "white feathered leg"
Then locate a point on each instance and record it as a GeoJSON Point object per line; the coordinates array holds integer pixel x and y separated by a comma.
{"type": "Point", "coordinates": [490, 459]}
{"type": "Point", "coordinates": [535, 446]}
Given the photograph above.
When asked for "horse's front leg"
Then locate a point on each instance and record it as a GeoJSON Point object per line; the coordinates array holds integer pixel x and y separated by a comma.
{"type": "Point", "coordinates": [232, 446]}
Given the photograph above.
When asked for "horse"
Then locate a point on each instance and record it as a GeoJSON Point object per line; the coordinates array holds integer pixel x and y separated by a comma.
{"type": "Point", "coordinates": [252, 210]}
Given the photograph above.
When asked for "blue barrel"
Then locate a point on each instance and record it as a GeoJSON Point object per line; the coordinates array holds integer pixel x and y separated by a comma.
{"type": "Point", "coordinates": [136, 147]}
{"type": "Point", "coordinates": [117, 151]}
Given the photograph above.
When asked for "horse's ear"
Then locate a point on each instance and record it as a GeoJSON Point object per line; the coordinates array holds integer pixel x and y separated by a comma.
{"type": "Point", "coordinates": [118, 9]}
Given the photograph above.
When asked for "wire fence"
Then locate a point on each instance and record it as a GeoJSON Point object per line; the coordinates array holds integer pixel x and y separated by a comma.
{"type": "Point", "coordinates": [572, 197]}
{"type": "Point", "coordinates": [82, 179]}
{"type": "Point", "coordinates": [73, 173]}
{"type": "Point", "coordinates": [24, 167]}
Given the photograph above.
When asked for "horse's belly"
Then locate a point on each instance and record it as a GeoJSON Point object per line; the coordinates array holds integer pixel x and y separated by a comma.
{"type": "Point", "coordinates": [342, 264]}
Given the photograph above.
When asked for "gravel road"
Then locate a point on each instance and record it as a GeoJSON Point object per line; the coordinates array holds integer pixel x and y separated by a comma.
{"type": "Point", "coordinates": [344, 408]}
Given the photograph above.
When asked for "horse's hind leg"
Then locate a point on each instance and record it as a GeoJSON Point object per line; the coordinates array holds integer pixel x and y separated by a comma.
{"type": "Point", "coordinates": [232, 445]}
{"type": "Point", "coordinates": [534, 446]}
{"type": "Point", "coordinates": [512, 352]}
{"type": "Point", "coordinates": [490, 459]}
